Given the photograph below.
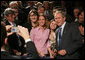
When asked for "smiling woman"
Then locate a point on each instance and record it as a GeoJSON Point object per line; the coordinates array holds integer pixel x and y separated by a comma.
{"type": "Point", "coordinates": [42, 21]}
{"type": "Point", "coordinates": [41, 37]}
{"type": "Point", "coordinates": [32, 20]}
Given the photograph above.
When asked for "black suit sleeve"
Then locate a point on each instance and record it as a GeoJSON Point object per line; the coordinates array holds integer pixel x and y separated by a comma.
{"type": "Point", "coordinates": [76, 40]}
{"type": "Point", "coordinates": [32, 49]}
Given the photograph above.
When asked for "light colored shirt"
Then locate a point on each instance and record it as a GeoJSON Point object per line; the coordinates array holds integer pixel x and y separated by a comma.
{"type": "Point", "coordinates": [61, 30]}
{"type": "Point", "coordinates": [62, 27]}
{"type": "Point", "coordinates": [13, 24]}
{"type": "Point", "coordinates": [40, 39]}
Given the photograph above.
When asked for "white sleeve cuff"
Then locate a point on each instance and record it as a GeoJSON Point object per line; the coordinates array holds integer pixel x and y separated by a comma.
{"type": "Point", "coordinates": [27, 40]}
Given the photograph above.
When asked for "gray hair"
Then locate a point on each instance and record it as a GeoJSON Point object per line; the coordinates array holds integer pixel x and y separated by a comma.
{"type": "Point", "coordinates": [63, 12]}
{"type": "Point", "coordinates": [9, 11]}
{"type": "Point", "coordinates": [13, 2]}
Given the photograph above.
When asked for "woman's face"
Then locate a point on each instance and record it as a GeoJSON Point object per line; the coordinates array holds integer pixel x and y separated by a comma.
{"type": "Point", "coordinates": [53, 25]}
{"type": "Point", "coordinates": [33, 17]}
{"type": "Point", "coordinates": [41, 21]}
{"type": "Point", "coordinates": [81, 17]}
{"type": "Point", "coordinates": [76, 11]}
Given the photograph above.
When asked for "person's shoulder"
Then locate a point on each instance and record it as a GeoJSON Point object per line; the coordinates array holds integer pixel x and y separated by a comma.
{"type": "Point", "coordinates": [72, 24]}
{"type": "Point", "coordinates": [35, 29]}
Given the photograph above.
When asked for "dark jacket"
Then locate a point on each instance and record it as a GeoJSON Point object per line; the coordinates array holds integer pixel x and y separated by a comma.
{"type": "Point", "coordinates": [13, 41]}
{"type": "Point", "coordinates": [30, 49]}
{"type": "Point", "coordinates": [71, 42]}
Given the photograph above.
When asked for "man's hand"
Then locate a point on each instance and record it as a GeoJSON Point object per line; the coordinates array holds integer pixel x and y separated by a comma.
{"type": "Point", "coordinates": [23, 32]}
{"type": "Point", "coordinates": [62, 52]}
{"type": "Point", "coordinates": [8, 27]}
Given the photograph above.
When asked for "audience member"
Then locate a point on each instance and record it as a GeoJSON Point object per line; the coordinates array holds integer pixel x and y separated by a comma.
{"type": "Point", "coordinates": [40, 38]}
{"type": "Point", "coordinates": [52, 37]}
{"type": "Point", "coordinates": [68, 38]}
{"type": "Point", "coordinates": [32, 20]}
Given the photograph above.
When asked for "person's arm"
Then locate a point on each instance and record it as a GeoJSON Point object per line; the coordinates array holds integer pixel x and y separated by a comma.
{"type": "Point", "coordinates": [41, 54]}
{"type": "Point", "coordinates": [51, 52]}
{"type": "Point", "coordinates": [49, 49]}
{"type": "Point", "coordinates": [76, 40]}
{"type": "Point", "coordinates": [8, 28]}
{"type": "Point", "coordinates": [30, 45]}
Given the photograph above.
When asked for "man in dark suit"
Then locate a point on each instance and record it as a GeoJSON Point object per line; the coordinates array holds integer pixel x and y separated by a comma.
{"type": "Point", "coordinates": [30, 45]}
{"type": "Point", "coordinates": [4, 53]}
{"type": "Point", "coordinates": [68, 38]}
{"type": "Point", "coordinates": [15, 41]}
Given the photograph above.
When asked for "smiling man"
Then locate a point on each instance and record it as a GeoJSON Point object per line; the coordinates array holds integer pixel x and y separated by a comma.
{"type": "Point", "coordinates": [68, 38]}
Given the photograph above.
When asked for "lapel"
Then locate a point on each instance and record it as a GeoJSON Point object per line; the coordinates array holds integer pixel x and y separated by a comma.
{"type": "Point", "coordinates": [56, 32]}
{"type": "Point", "coordinates": [7, 23]}
{"type": "Point", "coordinates": [65, 30]}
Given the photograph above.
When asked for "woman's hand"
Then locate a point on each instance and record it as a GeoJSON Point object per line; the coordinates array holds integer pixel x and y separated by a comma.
{"type": "Point", "coordinates": [42, 54]}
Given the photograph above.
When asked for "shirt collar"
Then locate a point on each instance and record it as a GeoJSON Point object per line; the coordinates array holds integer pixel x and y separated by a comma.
{"type": "Point", "coordinates": [12, 23]}
{"type": "Point", "coordinates": [63, 25]}
{"type": "Point", "coordinates": [39, 28]}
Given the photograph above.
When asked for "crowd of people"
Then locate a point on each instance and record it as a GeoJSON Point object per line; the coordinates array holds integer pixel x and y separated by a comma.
{"type": "Point", "coordinates": [42, 30]}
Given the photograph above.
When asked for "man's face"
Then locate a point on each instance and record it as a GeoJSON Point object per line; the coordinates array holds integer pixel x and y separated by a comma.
{"type": "Point", "coordinates": [59, 19]}
{"type": "Point", "coordinates": [11, 17]}
{"type": "Point", "coordinates": [76, 11]}
{"type": "Point", "coordinates": [41, 10]}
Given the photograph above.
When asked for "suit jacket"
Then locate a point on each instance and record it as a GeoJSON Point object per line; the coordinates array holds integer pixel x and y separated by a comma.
{"type": "Point", "coordinates": [31, 49]}
{"type": "Point", "coordinates": [22, 17]}
{"type": "Point", "coordinates": [71, 41]}
{"type": "Point", "coordinates": [5, 55]}
{"type": "Point", "coordinates": [13, 41]}
{"type": "Point", "coordinates": [28, 26]}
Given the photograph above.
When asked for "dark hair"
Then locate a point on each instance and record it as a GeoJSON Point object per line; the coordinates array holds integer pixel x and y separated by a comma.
{"type": "Point", "coordinates": [80, 12]}
{"type": "Point", "coordinates": [81, 24]}
{"type": "Point", "coordinates": [55, 28]}
{"type": "Point", "coordinates": [32, 11]}
{"type": "Point", "coordinates": [56, 7]}
{"type": "Point", "coordinates": [35, 13]}
{"type": "Point", "coordinates": [3, 33]}
{"type": "Point", "coordinates": [9, 11]}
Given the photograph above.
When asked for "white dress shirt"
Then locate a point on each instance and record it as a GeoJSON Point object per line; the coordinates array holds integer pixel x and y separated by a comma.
{"type": "Point", "coordinates": [61, 30]}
